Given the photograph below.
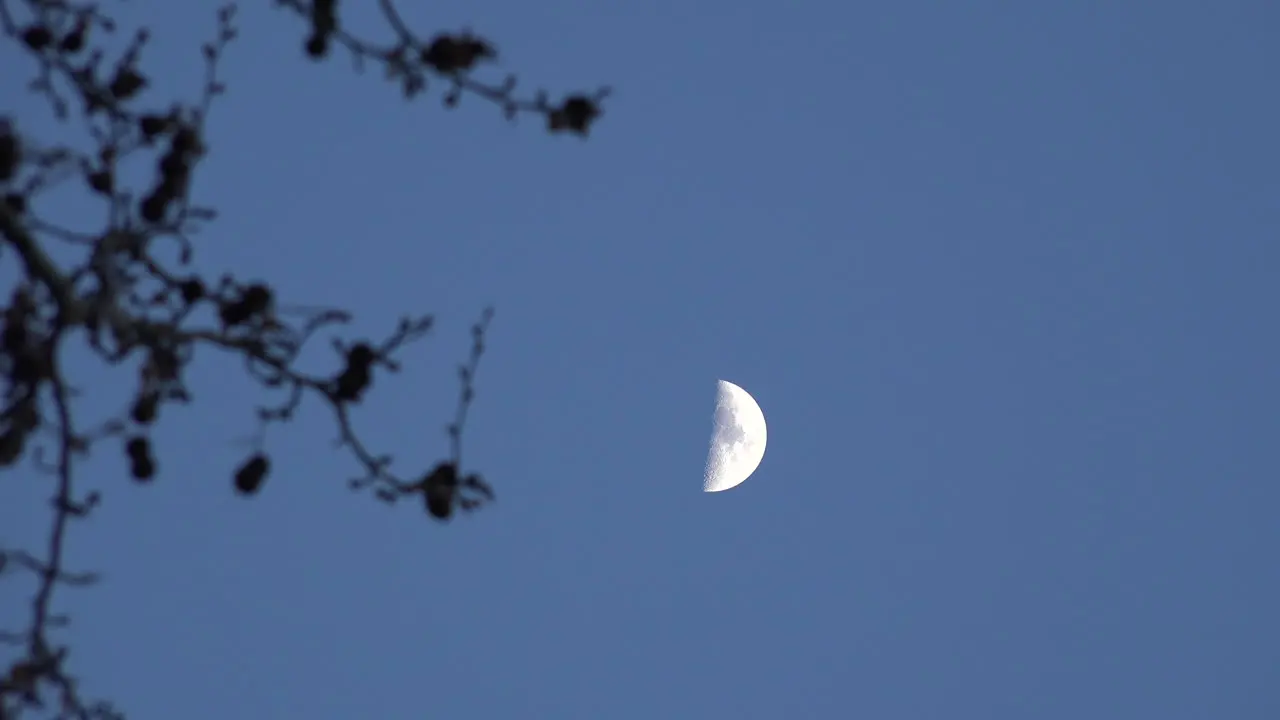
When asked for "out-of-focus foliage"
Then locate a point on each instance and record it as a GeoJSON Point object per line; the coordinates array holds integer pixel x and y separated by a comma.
{"type": "Point", "coordinates": [122, 304]}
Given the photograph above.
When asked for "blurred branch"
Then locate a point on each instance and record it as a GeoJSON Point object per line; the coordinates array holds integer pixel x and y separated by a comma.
{"type": "Point", "coordinates": [122, 305]}
{"type": "Point", "coordinates": [450, 58]}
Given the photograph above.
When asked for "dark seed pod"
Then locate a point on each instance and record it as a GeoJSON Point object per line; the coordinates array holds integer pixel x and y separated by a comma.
{"type": "Point", "coordinates": [153, 206]}
{"type": "Point", "coordinates": [317, 45]}
{"type": "Point", "coordinates": [439, 488]}
{"type": "Point", "coordinates": [126, 83]}
{"type": "Point", "coordinates": [439, 502]}
{"type": "Point", "coordinates": [251, 474]}
{"type": "Point", "coordinates": [144, 408]}
{"type": "Point", "coordinates": [73, 42]}
{"type": "Point", "coordinates": [152, 125]}
{"type": "Point", "coordinates": [141, 465]}
{"type": "Point", "coordinates": [101, 182]}
{"type": "Point", "coordinates": [37, 37]}
{"type": "Point", "coordinates": [356, 376]}
{"type": "Point", "coordinates": [192, 290]}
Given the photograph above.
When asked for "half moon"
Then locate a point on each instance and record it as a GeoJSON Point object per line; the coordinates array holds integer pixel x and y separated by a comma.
{"type": "Point", "coordinates": [737, 439]}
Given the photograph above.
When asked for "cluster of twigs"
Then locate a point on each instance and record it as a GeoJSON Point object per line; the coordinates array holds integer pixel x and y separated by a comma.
{"type": "Point", "coordinates": [124, 305]}
{"type": "Point", "coordinates": [410, 60]}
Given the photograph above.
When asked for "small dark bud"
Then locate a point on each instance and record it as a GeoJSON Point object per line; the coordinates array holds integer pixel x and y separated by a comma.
{"type": "Point", "coordinates": [172, 167]}
{"type": "Point", "coordinates": [439, 53]}
{"type": "Point", "coordinates": [162, 364]}
{"type": "Point", "coordinates": [257, 297]}
{"type": "Point", "coordinates": [448, 54]}
{"type": "Point", "coordinates": [16, 203]}
{"type": "Point", "coordinates": [438, 490]}
{"type": "Point", "coordinates": [152, 125]}
{"type": "Point", "coordinates": [141, 465]}
{"type": "Point", "coordinates": [186, 141]}
{"type": "Point", "coordinates": [101, 182]}
{"type": "Point", "coordinates": [37, 37]}
{"type": "Point", "coordinates": [575, 115]}
{"type": "Point", "coordinates": [357, 375]}
{"type": "Point", "coordinates": [250, 475]}
{"type": "Point", "coordinates": [74, 40]}
{"type": "Point", "coordinates": [143, 469]}
{"type": "Point", "coordinates": [439, 502]}
{"type": "Point", "coordinates": [233, 313]}
{"type": "Point", "coordinates": [192, 290]}
{"type": "Point", "coordinates": [317, 46]}
{"type": "Point", "coordinates": [145, 407]}
{"type": "Point", "coordinates": [154, 205]}
{"type": "Point", "coordinates": [126, 83]}
{"type": "Point", "coordinates": [255, 300]}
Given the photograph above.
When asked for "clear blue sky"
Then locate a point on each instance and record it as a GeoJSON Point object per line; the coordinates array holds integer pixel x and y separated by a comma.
{"type": "Point", "coordinates": [1002, 276]}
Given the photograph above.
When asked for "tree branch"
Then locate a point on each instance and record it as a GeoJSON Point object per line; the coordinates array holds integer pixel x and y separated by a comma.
{"type": "Point", "coordinates": [135, 309]}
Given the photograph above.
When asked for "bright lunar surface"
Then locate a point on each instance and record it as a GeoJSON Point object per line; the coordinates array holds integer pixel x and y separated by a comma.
{"type": "Point", "coordinates": [737, 439]}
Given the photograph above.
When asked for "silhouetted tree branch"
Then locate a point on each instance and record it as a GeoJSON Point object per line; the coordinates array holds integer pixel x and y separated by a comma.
{"type": "Point", "coordinates": [122, 302]}
{"type": "Point", "coordinates": [450, 57]}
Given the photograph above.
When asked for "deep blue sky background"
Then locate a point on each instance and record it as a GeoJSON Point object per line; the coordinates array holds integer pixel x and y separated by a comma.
{"type": "Point", "coordinates": [1003, 277]}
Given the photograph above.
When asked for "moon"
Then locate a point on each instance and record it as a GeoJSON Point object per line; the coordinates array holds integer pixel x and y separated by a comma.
{"type": "Point", "coordinates": [737, 439]}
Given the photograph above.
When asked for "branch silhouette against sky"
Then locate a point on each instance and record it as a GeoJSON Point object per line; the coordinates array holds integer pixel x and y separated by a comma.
{"type": "Point", "coordinates": [130, 293]}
